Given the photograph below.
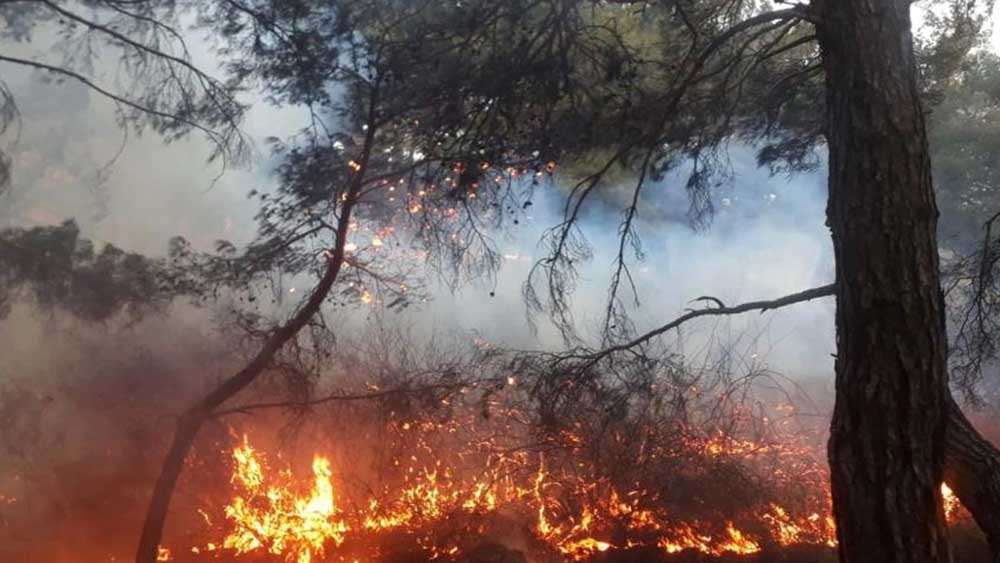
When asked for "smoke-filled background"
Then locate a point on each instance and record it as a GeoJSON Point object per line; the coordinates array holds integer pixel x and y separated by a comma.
{"type": "Point", "coordinates": [83, 406]}
{"type": "Point", "coordinates": [766, 238]}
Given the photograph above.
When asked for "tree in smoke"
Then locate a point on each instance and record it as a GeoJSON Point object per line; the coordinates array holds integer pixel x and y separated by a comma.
{"type": "Point", "coordinates": [155, 85]}
{"type": "Point", "coordinates": [55, 268]}
{"type": "Point", "coordinates": [424, 113]}
{"type": "Point", "coordinates": [747, 74]}
{"type": "Point", "coordinates": [864, 442]}
{"type": "Point", "coordinates": [419, 124]}
{"type": "Point", "coordinates": [883, 218]}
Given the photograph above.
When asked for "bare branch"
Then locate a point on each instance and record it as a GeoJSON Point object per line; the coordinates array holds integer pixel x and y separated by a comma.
{"type": "Point", "coordinates": [335, 397]}
{"type": "Point", "coordinates": [762, 306]}
{"type": "Point", "coordinates": [213, 135]}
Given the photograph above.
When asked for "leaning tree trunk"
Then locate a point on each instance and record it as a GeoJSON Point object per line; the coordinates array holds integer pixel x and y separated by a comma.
{"type": "Point", "coordinates": [888, 430]}
{"type": "Point", "coordinates": [192, 420]}
{"type": "Point", "coordinates": [972, 470]}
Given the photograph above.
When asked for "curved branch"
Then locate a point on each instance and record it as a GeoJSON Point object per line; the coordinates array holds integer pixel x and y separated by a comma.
{"type": "Point", "coordinates": [693, 75]}
{"type": "Point", "coordinates": [210, 85]}
{"type": "Point", "coordinates": [762, 306]}
{"type": "Point", "coordinates": [214, 135]}
{"type": "Point", "coordinates": [125, 40]}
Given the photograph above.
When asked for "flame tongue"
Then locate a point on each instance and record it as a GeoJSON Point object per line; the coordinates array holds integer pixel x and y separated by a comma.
{"type": "Point", "coordinates": [271, 513]}
{"type": "Point", "coordinates": [270, 516]}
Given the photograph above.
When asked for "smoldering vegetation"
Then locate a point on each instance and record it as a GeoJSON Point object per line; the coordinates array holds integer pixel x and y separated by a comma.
{"type": "Point", "coordinates": [91, 403]}
{"type": "Point", "coordinates": [709, 429]}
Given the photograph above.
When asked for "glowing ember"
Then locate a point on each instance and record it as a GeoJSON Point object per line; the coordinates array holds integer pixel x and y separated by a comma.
{"type": "Point", "coordinates": [950, 501]}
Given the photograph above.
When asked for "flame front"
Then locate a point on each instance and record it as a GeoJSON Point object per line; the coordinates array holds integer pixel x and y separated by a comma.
{"type": "Point", "coordinates": [575, 518]}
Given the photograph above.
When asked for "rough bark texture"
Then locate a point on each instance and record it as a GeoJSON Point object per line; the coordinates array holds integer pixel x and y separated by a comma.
{"type": "Point", "coordinates": [887, 436]}
{"type": "Point", "coordinates": [972, 470]}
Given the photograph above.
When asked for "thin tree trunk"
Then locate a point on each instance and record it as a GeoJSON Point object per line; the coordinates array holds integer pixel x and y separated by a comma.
{"type": "Point", "coordinates": [887, 435]}
{"type": "Point", "coordinates": [192, 420]}
{"type": "Point", "coordinates": [972, 470]}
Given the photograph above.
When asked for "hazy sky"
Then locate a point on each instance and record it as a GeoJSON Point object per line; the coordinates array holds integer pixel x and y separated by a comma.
{"type": "Point", "coordinates": [767, 239]}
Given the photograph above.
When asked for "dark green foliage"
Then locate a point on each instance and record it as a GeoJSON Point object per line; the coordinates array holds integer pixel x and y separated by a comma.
{"type": "Point", "coordinates": [965, 142]}
{"type": "Point", "coordinates": [156, 86]}
{"type": "Point", "coordinates": [57, 270]}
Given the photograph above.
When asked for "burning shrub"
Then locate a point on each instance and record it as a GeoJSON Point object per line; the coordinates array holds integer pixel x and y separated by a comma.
{"type": "Point", "coordinates": [642, 482]}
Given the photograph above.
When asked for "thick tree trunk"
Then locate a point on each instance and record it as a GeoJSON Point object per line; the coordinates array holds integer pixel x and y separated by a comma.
{"type": "Point", "coordinates": [887, 437]}
{"type": "Point", "coordinates": [972, 470]}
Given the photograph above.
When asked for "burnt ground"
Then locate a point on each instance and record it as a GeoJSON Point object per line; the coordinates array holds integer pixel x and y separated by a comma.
{"type": "Point", "coordinates": [798, 554]}
{"type": "Point", "coordinates": [968, 546]}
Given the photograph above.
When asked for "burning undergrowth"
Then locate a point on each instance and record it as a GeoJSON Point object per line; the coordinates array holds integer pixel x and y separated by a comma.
{"type": "Point", "coordinates": [456, 454]}
{"type": "Point", "coordinates": [522, 506]}
{"type": "Point", "coordinates": [445, 476]}
{"type": "Point", "coordinates": [552, 513]}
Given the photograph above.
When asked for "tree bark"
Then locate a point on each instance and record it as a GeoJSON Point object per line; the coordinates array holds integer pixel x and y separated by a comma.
{"type": "Point", "coordinates": [887, 436]}
{"type": "Point", "coordinates": [972, 463]}
{"type": "Point", "coordinates": [972, 470]}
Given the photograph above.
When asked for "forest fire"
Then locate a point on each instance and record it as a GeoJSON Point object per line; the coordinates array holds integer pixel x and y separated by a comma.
{"type": "Point", "coordinates": [432, 167]}
{"type": "Point", "coordinates": [442, 511]}
{"type": "Point", "coordinates": [285, 523]}
{"type": "Point", "coordinates": [281, 516]}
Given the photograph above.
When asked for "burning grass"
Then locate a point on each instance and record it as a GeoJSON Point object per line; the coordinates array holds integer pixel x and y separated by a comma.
{"type": "Point", "coordinates": [436, 514]}
{"type": "Point", "coordinates": [277, 515]}
{"type": "Point", "coordinates": [456, 483]}
{"type": "Point", "coordinates": [484, 475]}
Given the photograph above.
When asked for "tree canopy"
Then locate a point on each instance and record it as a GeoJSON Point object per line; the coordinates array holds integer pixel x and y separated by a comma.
{"type": "Point", "coordinates": [433, 123]}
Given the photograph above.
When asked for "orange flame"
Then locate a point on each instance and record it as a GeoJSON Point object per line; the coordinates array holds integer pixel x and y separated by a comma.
{"type": "Point", "coordinates": [271, 513]}
{"type": "Point", "coordinates": [271, 516]}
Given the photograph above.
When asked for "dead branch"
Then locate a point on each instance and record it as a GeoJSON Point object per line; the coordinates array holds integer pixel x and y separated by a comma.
{"type": "Point", "coordinates": [762, 306]}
